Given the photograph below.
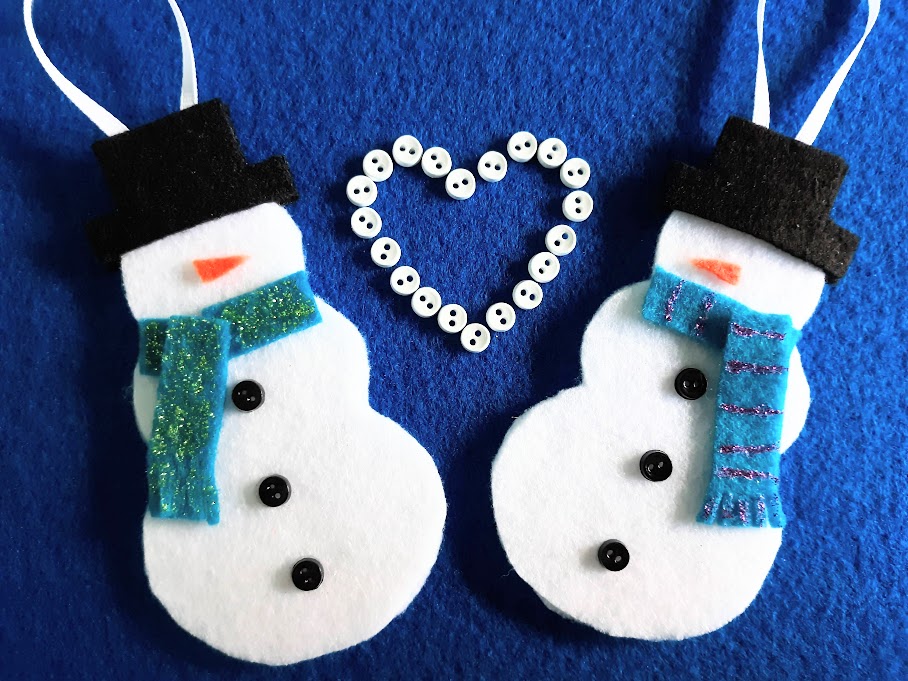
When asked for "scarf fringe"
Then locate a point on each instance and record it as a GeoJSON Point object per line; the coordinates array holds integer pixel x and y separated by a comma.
{"type": "Point", "coordinates": [742, 510]}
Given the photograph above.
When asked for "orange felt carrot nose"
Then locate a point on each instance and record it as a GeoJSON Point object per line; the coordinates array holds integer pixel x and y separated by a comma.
{"type": "Point", "coordinates": [210, 269]}
{"type": "Point", "coordinates": [726, 271]}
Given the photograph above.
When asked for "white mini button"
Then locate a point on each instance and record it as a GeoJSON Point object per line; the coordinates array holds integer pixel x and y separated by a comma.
{"type": "Point", "coordinates": [575, 173]}
{"type": "Point", "coordinates": [552, 153]}
{"type": "Point", "coordinates": [560, 240]}
{"type": "Point", "coordinates": [522, 147]}
{"type": "Point", "coordinates": [407, 151]}
{"type": "Point", "coordinates": [500, 317]}
{"type": "Point", "coordinates": [544, 267]}
{"type": "Point", "coordinates": [460, 184]}
{"type": "Point", "coordinates": [577, 206]}
{"type": "Point", "coordinates": [385, 252]}
{"type": "Point", "coordinates": [361, 191]}
{"type": "Point", "coordinates": [492, 166]}
{"type": "Point", "coordinates": [377, 165]}
{"type": "Point", "coordinates": [426, 301]}
{"type": "Point", "coordinates": [475, 337]}
{"type": "Point", "coordinates": [452, 318]}
{"type": "Point", "coordinates": [404, 280]}
{"type": "Point", "coordinates": [366, 223]}
{"type": "Point", "coordinates": [527, 294]}
{"type": "Point", "coordinates": [436, 162]}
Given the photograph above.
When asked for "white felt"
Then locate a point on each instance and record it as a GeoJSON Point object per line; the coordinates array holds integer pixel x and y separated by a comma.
{"type": "Point", "coordinates": [772, 281]}
{"type": "Point", "coordinates": [366, 498]}
{"type": "Point", "coordinates": [567, 475]}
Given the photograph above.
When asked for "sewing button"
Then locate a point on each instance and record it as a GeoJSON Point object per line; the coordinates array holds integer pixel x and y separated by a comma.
{"type": "Point", "coordinates": [690, 384]}
{"type": "Point", "coordinates": [274, 491]}
{"type": "Point", "coordinates": [560, 240]}
{"type": "Point", "coordinates": [436, 162]}
{"type": "Point", "coordinates": [361, 191]}
{"type": "Point", "coordinates": [377, 165]}
{"type": "Point", "coordinates": [452, 318]}
{"type": "Point", "coordinates": [613, 555]}
{"type": "Point", "coordinates": [426, 301]}
{"type": "Point", "coordinates": [404, 280]}
{"type": "Point", "coordinates": [544, 267]}
{"type": "Point", "coordinates": [307, 574]}
{"type": "Point", "coordinates": [407, 151]}
{"type": "Point", "coordinates": [577, 206]}
{"type": "Point", "coordinates": [247, 395]}
{"type": "Point", "coordinates": [552, 153]}
{"type": "Point", "coordinates": [575, 173]}
{"type": "Point", "coordinates": [492, 166]}
{"type": "Point", "coordinates": [655, 466]}
{"type": "Point", "coordinates": [500, 317]}
{"type": "Point", "coordinates": [527, 294]}
{"type": "Point", "coordinates": [475, 337]}
{"type": "Point", "coordinates": [366, 222]}
{"type": "Point", "coordinates": [385, 252]}
{"type": "Point", "coordinates": [522, 147]}
{"type": "Point", "coordinates": [460, 184]}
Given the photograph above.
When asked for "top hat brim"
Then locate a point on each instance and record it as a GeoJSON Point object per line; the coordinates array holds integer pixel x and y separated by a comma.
{"type": "Point", "coordinates": [121, 231]}
{"type": "Point", "coordinates": [755, 208]}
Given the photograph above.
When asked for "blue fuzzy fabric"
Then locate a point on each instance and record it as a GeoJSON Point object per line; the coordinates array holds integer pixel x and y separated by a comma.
{"type": "Point", "coordinates": [744, 487]}
{"type": "Point", "coordinates": [628, 86]}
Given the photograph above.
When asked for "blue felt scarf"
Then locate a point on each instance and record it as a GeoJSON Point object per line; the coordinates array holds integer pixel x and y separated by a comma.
{"type": "Point", "coordinates": [190, 354]}
{"type": "Point", "coordinates": [744, 488]}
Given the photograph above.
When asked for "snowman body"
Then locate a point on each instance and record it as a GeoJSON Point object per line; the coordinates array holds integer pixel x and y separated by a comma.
{"type": "Point", "coordinates": [567, 477]}
{"type": "Point", "coordinates": [366, 500]}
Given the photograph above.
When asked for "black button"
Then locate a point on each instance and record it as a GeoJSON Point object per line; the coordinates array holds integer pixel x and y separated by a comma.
{"type": "Point", "coordinates": [690, 384]}
{"type": "Point", "coordinates": [274, 491]}
{"type": "Point", "coordinates": [307, 574]}
{"type": "Point", "coordinates": [247, 395]}
{"type": "Point", "coordinates": [613, 555]}
{"type": "Point", "coordinates": [655, 465]}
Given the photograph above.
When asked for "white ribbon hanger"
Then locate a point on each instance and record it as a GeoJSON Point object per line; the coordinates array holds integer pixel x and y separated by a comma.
{"type": "Point", "coordinates": [813, 124]}
{"type": "Point", "coordinates": [107, 122]}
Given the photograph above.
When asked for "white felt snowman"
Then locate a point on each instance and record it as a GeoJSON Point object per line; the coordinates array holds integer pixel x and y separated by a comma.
{"type": "Point", "coordinates": [645, 502]}
{"type": "Point", "coordinates": [287, 519]}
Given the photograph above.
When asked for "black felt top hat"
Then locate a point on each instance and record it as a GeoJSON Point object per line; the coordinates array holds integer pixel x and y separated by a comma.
{"type": "Point", "coordinates": [773, 187]}
{"type": "Point", "coordinates": [178, 172]}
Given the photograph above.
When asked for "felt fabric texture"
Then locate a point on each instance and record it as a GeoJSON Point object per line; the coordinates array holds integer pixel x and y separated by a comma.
{"type": "Point", "coordinates": [744, 487]}
{"type": "Point", "coordinates": [367, 504]}
{"type": "Point", "coordinates": [774, 187]}
{"type": "Point", "coordinates": [176, 172]}
{"type": "Point", "coordinates": [187, 419]}
{"type": "Point", "coordinates": [631, 88]}
{"type": "Point", "coordinates": [567, 476]}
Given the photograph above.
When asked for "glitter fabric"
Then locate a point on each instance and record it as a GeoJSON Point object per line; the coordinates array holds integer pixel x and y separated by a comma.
{"type": "Point", "coordinates": [190, 354]}
{"type": "Point", "coordinates": [187, 420]}
{"type": "Point", "coordinates": [744, 487]}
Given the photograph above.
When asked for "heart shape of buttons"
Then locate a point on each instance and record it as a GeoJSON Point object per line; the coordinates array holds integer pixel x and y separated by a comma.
{"type": "Point", "coordinates": [460, 184]}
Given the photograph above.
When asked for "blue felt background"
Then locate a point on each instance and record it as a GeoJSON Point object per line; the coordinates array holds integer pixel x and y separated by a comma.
{"type": "Point", "coordinates": [628, 85]}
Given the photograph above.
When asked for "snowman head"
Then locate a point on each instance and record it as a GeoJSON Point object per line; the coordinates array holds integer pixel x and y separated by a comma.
{"type": "Point", "coordinates": [755, 224]}
{"type": "Point", "coordinates": [193, 222]}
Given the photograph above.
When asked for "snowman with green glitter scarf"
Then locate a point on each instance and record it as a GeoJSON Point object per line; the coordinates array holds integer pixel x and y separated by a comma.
{"type": "Point", "coordinates": [286, 518]}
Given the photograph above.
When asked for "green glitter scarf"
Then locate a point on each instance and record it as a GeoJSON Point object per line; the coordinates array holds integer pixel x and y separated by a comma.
{"type": "Point", "coordinates": [190, 354]}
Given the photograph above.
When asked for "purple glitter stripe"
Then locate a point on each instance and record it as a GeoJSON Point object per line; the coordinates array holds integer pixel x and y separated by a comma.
{"type": "Point", "coordinates": [707, 306]}
{"type": "Point", "coordinates": [670, 303]}
{"type": "Point", "coordinates": [761, 512]}
{"type": "Point", "coordinates": [747, 449]}
{"type": "Point", "coordinates": [759, 410]}
{"type": "Point", "coordinates": [742, 511]}
{"type": "Point", "coordinates": [735, 367]}
{"type": "Point", "coordinates": [744, 474]}
{"type": "Point", "coordinates": [708, 508]}
{"type": "Point", "coordinates": [739, 330]}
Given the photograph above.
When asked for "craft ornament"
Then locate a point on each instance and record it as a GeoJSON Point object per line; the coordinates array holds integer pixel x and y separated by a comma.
{"type": "Point", "coordinates": [645, 501]}
{"type": "Point", "coordinates": [460, 185]}
{"type": "Point", "coordinates": [287, 519]}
